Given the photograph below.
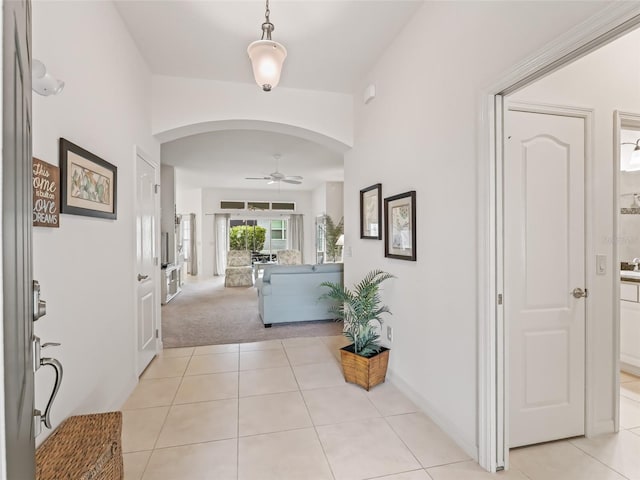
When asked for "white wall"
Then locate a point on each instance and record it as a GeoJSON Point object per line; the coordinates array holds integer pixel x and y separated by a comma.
{"type": "Point", "coordinates": [86, 267]}
{"type": "Point", "coordinates": [605, 81]}
{"type": "Point", "coordinates": [328, 199]}
{"type": "Point", "coordinates": [319, 200]}
{"type": "Point", "coordinates": [420, 134]}
{"type": "Point", "coordinates": [168, 210]}
{"type": "Point", "coordinates": [182, 102]}
{"type": "Point", "coordinates": [211, 204]}
{"type": "Point", "coordinates": [189, 200]}
{"type": "Point", "coordinates": [335, 200]}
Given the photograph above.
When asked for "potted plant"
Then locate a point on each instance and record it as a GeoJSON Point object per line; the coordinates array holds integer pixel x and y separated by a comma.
{"type": "Point", "coordinates": [364, 362]}
{"type": "Point", "coordinates": [333, 231]}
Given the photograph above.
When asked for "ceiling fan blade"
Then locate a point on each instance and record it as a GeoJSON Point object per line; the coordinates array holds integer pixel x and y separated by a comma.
{"type": "Point", "coordinates": [293, 177]}
{"type": "Point", "coordinates": [257, 178]}
{"type": "Point", "coordinates": [289, 180]}
{"type": "Point", "coordinates": [272, 182]}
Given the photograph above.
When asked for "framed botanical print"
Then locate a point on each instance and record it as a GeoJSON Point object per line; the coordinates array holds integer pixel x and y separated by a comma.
{"type": "Point", "coordinates": [88, 183]}
{"type": "Point", "coordinates": [371, 212]}
{"type": "Point", "coordinates": [400, 226]}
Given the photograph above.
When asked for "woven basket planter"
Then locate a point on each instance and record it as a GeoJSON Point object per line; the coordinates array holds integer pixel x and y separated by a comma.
{"type": "Point", "coordinates": [84, 447]}
{"type": "Point", "coordinates": [364, 371]}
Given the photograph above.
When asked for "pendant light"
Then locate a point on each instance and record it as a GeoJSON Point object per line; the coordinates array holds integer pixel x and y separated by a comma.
{"type": "Point", "coordinates": [634, 160]}
{"type": "Point", "coordinates": [267, 56]}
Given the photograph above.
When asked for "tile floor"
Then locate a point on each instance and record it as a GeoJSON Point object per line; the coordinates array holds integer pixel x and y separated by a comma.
{"type": "Point", "coordinates": [281, 410]}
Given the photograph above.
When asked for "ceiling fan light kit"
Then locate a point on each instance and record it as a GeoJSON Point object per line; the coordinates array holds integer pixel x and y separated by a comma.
{"type": "Point", "coordinates": [267, 56]}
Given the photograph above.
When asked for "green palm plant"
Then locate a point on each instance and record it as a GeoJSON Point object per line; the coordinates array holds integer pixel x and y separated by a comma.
{"type": "Point", "coordinates": [361, 309]}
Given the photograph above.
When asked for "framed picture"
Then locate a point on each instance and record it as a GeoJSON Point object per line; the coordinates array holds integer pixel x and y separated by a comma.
{"type": "Point", "coordinates": [400, 226]}
{"type": "Point", "coordinates": [46, 194]}
{"type": "Point", "coordinates": [371, 212]}
{"type": "Point", "coordinates": [88, 183]}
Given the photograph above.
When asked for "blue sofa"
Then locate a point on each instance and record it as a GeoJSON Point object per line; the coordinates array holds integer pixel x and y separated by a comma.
{"type": "Point", "coordinates": [290, 293]}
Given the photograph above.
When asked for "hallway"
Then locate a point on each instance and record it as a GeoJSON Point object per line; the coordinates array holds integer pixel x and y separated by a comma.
{"type": "Point", "coordinates": [281, 410]}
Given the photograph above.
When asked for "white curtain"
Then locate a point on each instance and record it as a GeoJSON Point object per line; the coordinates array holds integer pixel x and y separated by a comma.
{"type": "Point", "coordinates": [296, 233]}
{"type": "Point", "coordinates": [192, 265]}
{"type": "Point", "coordinates": [221, 240]}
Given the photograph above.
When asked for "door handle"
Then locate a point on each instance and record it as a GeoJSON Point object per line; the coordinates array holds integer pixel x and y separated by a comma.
{"type": "Point", "coordinates": [40, 361]}
{"type": "Point", "coordinates": [57, 366]}
{"type": "Point", "coordinates": [142, 277]}
{"type": "Point", "coordinates": [579, 293]}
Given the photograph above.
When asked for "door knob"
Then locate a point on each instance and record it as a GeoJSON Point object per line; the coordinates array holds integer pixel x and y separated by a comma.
{"type": "Point", "coordinates": [579, 293]}
{"type": "Point", "coordinates": [142, 277]}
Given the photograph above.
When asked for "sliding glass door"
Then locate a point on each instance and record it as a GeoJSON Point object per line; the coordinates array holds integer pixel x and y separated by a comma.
{"type": "Point", "coordinates": [263, 236]}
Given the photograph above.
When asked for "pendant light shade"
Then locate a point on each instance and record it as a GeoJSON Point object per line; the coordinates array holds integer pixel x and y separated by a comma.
{"type": "Point", "coordinates": [267, 56]}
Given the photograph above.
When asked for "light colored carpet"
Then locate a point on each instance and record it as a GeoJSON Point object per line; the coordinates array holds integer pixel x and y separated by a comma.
{"type": "Point", "coordinates": [207, 313]}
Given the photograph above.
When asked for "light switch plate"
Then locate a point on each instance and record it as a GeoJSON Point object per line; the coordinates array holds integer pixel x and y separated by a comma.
{"type": "Point", "coordinates": [601, 264]}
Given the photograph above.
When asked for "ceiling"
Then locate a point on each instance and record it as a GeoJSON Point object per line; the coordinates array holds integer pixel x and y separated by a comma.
{"type": "Point", "coordinates": [223, 160]}
{"type": "Point", "coordinates": [330, 43]}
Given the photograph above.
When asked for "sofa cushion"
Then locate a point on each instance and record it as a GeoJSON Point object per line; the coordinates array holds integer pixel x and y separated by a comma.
{"type": "Point", "coordinates": [329, 267]}
{"type": "Point", "coordinates": [278, 269]}
{"type": "Point", "coordinates": [271, 269]}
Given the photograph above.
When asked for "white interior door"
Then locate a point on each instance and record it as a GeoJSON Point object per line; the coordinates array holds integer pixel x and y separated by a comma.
{"type": "Point", "coordinates": [147, 270]}
{"type": "Point", "coordinates": [544, 254]}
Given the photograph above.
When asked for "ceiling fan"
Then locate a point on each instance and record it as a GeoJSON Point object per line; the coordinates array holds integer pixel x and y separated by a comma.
{"type": "Point", "coordinates": [277, 177]}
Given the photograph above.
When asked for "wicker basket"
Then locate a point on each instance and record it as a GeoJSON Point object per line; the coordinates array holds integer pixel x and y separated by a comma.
{"type": "Point", "coordinates": [84, 447]}
{"type": "Point", "coordinates": [364, 371]}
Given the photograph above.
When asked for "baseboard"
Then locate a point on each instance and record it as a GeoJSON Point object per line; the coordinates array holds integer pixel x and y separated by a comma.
{"type": "Point", "coordinates": [601, 427]}
{"type": "Point", "coordinates": [628, 368]}
{"type": "Point", "coordinates": [124, 393]}
{"type": "Point", "coordinates": [469, 447]}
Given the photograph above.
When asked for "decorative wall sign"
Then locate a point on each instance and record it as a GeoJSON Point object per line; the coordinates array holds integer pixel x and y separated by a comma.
{"type": "Point", "coordinates": [89, 183]}
{"type": "Point", "coordinates": [400, 226]}
{"type": "Point", "coordinates": [46, 194]}
{"type": "Point", "coordinates": [371, 212]}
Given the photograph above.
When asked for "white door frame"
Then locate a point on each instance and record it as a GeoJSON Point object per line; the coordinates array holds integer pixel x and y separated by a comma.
{"type": "Point", "coordinates": [614, 21]}
{"type": "Point", "coordinates": [139, 152]}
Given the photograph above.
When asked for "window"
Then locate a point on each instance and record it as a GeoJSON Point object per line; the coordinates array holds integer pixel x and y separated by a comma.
{"type": "Point", "coordinates": [185, 226]}
{"type": "Point", "coordinates": [226, 205]}
{"type": "Point", "coordinates": [279, 229]}
{"type": "Point", "coordinates": [264, 235]}
{"type": "Point", "coordinates": [258, 205]}
{"type": "Point", "coordinates": [283, 206]}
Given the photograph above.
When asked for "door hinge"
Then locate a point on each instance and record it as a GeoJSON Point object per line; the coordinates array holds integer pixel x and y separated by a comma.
{"type": "Point", "coordinates": [156, 188]}
{"type": "Point", "coordinates": [499, 299]}
{"type": "Point", "coordinates": [157, 333]}
{"type": "Point", "coordinates": [155, 261]}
